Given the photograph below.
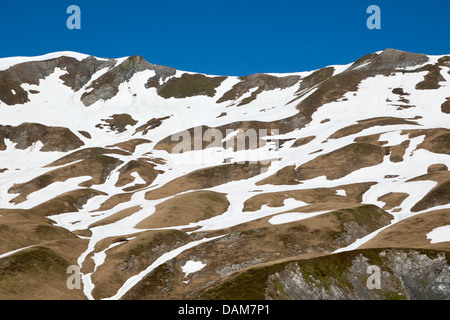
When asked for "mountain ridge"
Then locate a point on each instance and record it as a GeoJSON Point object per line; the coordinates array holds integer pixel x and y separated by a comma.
{"type": "Point", "coordinates": [145, 169]}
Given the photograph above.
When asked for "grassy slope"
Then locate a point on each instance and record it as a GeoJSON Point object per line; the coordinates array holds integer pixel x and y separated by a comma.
{"type": "Point", "coordinates": [37, 273]}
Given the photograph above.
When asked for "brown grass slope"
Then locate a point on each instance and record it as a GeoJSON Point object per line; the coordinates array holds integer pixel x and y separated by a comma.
{"type": "Point", "coordinates": [204, 136]}
{"type": "Point", "coordinates": [412, 232]}
{"type": "Point", "coordinates": [140, 166]}
{"type": "Point", "coordinates": [206, 178]}
{"type": "Point", "coordinates": [354, 194]}
{"type": "Point", "coordinates": [97, 168]}
{"type": "Point", "coordinates": [20, 228]}
{"type": "Point", "coordinates": [84, 154]}
{"type": "Point", "coordinates": [27, 134]}
{"type": "Point", "coordinates": [341, 162]}
{"type": "Point", "coordinates": [38, 273]}
{"type": "Point", "coordinates": [246, 246]}
{"type": "Point", "coordinates": [186, 208]}
{"type": "Point", "coordinates": [132, 257]}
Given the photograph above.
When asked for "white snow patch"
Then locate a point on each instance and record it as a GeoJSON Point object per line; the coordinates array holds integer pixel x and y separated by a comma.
{"type": "Point", "coordinates": [14, 251]}
{"type": "Point", "coordinates": [440, 234]}
{"type": "Point", "coordinates": [192, 266]}
{"type": "Point", "coordinates": [6, 63]}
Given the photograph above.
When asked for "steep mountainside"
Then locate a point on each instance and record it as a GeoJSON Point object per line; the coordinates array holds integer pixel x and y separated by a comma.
{"type": "Point", "coordinates": [164, 184]}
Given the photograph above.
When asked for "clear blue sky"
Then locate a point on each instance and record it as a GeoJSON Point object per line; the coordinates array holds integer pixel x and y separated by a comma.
{"type": "Point", "coordinates": [226, 37]}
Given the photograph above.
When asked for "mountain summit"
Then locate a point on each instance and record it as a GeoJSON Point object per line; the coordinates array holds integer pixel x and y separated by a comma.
{"type": "Point", "coordinates": [158, 183]}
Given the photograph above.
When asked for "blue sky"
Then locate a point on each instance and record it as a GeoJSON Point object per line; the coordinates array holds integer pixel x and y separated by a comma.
{"type": "Point", "coordinates": [226, 37]}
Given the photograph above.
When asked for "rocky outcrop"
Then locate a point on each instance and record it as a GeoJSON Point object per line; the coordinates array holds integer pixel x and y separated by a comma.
{"type": "Point", "coordinates": [107, 85]}
{"type": "Point", "coordinates": [371, 274]}
{"type": "Point", "coordinates": [78, 73]}
{"type": "Point", "coordinates": [404, 274]}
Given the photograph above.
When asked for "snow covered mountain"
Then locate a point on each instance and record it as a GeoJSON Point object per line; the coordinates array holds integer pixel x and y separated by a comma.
{"type": "Point", "coordinates": [164, 184]}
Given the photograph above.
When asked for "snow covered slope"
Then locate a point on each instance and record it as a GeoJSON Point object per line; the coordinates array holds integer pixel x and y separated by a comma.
{"type": "Point", "coordinates": [133, 171]}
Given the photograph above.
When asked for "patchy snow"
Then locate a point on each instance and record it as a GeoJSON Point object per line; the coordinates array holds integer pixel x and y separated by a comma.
{"type": "Point", "coordinates": [59, 106]}
{"type": "Point", "coordinates": [440, 234]}
{"type": "Point", "coordinates": [99, 258]}
{"type": "Point", "coordinates": [192, 267]}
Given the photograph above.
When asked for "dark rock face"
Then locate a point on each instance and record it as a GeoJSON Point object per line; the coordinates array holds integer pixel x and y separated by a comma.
{"type": "Point", "coordinates": [78, 74]}
{"type": "Point", "coordinates": [411, 275]}
{"type": "Point", "coordinates": [390, 60]}
{"type": "Point", "coordinates": [107, 85]}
